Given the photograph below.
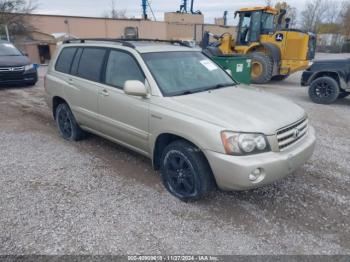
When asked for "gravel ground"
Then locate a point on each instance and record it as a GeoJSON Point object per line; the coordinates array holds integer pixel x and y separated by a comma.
{"type": "Point", "coordinates": [95, 197]}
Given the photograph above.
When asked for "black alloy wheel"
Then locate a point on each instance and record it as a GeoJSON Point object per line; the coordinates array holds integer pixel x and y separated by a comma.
{"type": "Point", "coordinates": [185, 171]}
{"type": "Point", "coordinates": [324, 90]}
{"type": "Point", "coordinates": [64, 123]}
{"type": "Point", "coordinates": [67, 125]}
{"type": "Point", "coordinates": [180, 173]}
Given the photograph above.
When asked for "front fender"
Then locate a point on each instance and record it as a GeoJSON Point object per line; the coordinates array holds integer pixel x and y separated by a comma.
{"type": "Point", "coordinates": [331, 73]}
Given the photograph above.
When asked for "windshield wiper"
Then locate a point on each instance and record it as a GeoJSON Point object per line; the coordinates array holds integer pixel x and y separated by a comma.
{"type": "Point", "coordinates": [218, 86]}
{"type": "Point", "coordinates": [189, 92]}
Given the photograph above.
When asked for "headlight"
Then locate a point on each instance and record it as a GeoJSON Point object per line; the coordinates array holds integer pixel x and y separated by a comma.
{"type": "Point", "coordinates": [28, 67]}
{"type": "Point", "coordinates": [244, 143]}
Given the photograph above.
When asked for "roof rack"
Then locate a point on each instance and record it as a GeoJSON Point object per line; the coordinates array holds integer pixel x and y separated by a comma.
{"type": "Point", "coordinates": [127, 42]}
{"type": "Point", "coordinates": [179, 42]}
{"type": "Point", "coordinates": [83, 40]}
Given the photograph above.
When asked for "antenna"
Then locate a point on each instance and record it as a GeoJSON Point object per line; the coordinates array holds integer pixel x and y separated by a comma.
{"type": "Point", "coordinates": [7, 33]}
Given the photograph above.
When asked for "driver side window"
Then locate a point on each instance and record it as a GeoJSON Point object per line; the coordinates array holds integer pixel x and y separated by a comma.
{"type": "Point", "coordinates": [122, 67]}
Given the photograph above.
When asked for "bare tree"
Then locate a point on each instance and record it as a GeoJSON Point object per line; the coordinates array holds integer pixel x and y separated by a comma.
{"type": "Point", "coordinates": [12, 16]}
{"type": "Point", "coordinates": [333, 11]}
{"type": "Point", "coordinates": [345, 17]}
{"type": "Point", "coordinates": [269, 2]}
{"type": "Point", "coordinates": [114, 12]}
{"type": "Point", "coordinates": [291, 11]}
{"type": "Point", "coordinates": [313, 14]}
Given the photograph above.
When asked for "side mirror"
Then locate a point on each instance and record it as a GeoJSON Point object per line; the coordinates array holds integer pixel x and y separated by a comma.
{"type": "Point", "coordinates": [135, 88]}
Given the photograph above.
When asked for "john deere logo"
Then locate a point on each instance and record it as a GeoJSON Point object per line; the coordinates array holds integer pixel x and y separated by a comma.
{"type": "Point", "coordinates": [279, 37]}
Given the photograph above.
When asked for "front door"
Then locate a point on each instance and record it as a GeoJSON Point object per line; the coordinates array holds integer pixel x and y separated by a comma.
{"type": "Point", "coordinates": [124, 117]}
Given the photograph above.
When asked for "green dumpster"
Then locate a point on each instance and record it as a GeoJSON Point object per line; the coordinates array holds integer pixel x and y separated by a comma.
{"type": "Point", "coordinates": [238, 65]}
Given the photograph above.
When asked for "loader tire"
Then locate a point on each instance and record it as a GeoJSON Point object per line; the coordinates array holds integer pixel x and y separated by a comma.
{"type": "Point", "coordinates": [262, 68]}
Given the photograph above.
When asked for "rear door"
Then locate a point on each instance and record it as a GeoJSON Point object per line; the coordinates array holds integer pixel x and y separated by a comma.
{"type": "Point", "coordinates": [85, 82]}
{"type": "Point", "coordinates": [123, 117]}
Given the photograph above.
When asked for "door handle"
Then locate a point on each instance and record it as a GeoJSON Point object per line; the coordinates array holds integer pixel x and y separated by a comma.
{"type": "Point", "coordinates": [104, 92]}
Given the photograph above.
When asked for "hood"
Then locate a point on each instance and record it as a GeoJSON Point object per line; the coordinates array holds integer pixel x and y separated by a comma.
{"type": "Point", "coordinates": [239, 109]}
{"type": "Point", "coordinates": [14, 61]}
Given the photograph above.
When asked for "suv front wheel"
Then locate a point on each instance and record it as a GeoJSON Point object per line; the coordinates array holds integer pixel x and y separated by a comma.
{"type": "Point", "coordinates": [66, 124]}
{"type": "Point", "coordinates": [185, 171]}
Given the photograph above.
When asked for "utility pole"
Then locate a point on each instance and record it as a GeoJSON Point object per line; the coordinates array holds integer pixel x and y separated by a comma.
{"type": "Point", "coordinates": [183, 7]}
{"type": "Point", "coordinates": [225, 17]}
{"type": "Point", "coordinates": [145, 4]}
{"type": "Point", "coordinates": [144, 9]}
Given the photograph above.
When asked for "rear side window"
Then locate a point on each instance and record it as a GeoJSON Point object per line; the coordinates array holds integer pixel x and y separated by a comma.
{"type": "Point", "coordinates": [91, 63]}
{"type": "Point", "coordinates": [65, 59]}
{"type": "Point", "coordinates": [75, 64]}
{"type": "Point", "coordinates": [122, 67]}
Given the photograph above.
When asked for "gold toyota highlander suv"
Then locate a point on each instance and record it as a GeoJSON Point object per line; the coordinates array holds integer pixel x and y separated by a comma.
{"type": "Point", "coordinates": [172, 104]}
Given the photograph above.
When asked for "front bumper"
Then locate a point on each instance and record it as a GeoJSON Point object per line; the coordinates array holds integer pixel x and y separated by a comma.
{"type": "Point", "coordinates": [232, 172]}
{"type": "Point", "coordinates": [305, 78]}
{"type": "Point", "coordinates": [17, 78]}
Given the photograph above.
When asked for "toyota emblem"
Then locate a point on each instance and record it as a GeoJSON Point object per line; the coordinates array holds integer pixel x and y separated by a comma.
{"type": "Point", "coordinates": [296, 133]}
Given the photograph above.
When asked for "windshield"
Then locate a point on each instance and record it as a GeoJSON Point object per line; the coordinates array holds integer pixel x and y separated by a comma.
{"type": "Point", "coordinates": [180, 73]}
{"type": "Point", "coordinates": [7, 49]}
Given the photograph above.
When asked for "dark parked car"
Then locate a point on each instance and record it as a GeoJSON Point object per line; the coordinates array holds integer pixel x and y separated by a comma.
{"type": "Point", "coordinates": [15, 67]}
{"type": "Point", "coordinates": [329, 80]}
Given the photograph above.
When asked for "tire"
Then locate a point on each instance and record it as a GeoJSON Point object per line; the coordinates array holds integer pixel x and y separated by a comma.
{"type": "Point", "coordinates": [185, 171]}
{"type": "Point", "coordinates": [67, 125]}
{"type": "Point", "coordinates": [324, 90]}
{"type": "Point", "coordinates": [343, 95]}
{"type": "Point", "coordinates": [279, 77]}
{"type": "Point", "coordinates": [262, 68]}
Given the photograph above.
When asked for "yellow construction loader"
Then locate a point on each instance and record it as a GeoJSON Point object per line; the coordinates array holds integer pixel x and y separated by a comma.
{"type": "Point", "coordinates": [276, 50]}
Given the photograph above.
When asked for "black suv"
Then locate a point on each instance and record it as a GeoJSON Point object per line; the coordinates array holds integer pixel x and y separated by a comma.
{"type": "Point", "coordinates": [15, 67]}
{"type": "Point", "coordinates": [329, 80]}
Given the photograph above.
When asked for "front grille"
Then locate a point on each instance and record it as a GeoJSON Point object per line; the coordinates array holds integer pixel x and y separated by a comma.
{"type": "Point", "coordinates": [11, 77]}
{"type": "Point", "coordinates": [289, 135]}
{"type": "Point", "coordinates": [11, 69]}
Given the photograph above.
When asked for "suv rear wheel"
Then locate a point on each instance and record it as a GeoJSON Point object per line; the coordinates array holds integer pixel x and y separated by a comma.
{"type": "Point", "coordinates": [66, 124]}
{"type": "Point", "coordinates": [324, 90]}
{"type": "Point", "coordinates": [185, 171]}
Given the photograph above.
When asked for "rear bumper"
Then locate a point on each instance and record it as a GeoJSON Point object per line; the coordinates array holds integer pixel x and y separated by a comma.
{"type": "Point", "coordinates": [232, 172]}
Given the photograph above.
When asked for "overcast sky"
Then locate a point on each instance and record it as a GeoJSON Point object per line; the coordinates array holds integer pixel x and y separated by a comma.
{"type": "Point", "coordinates": [210, 8]}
